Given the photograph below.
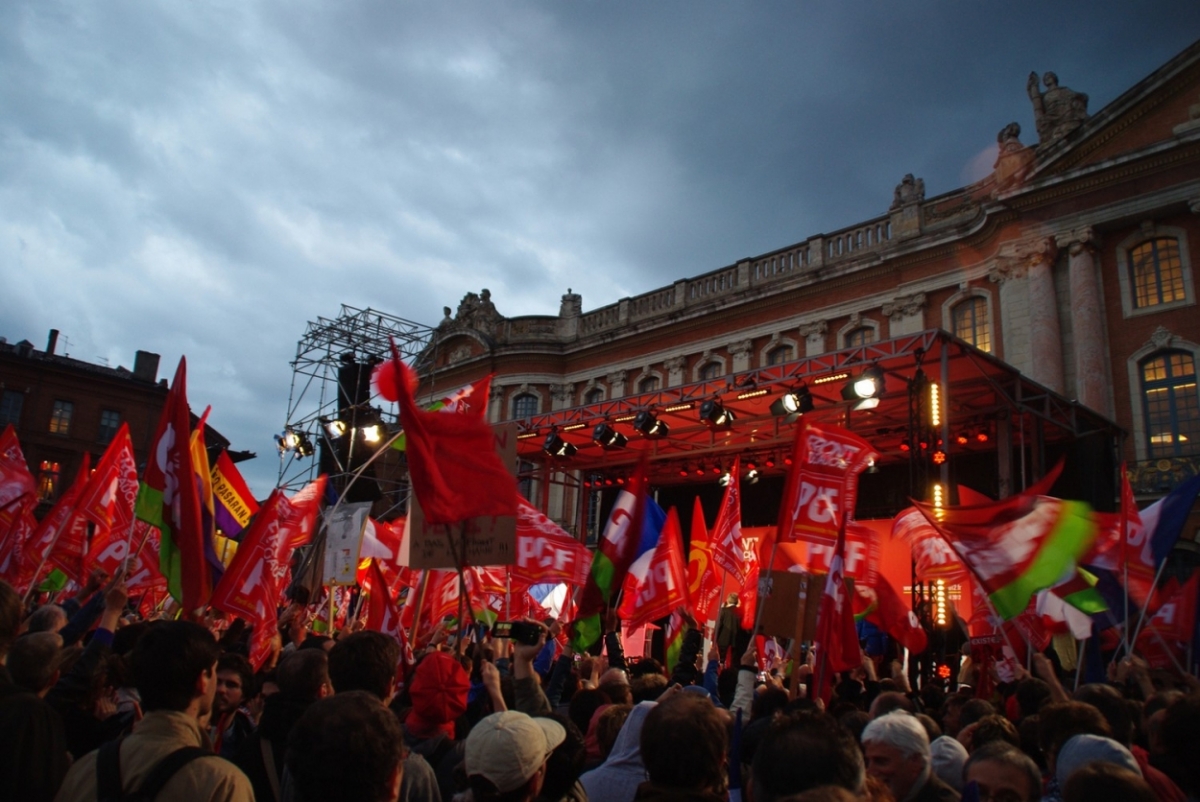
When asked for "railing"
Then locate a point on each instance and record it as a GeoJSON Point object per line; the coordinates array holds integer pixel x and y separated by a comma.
{"type": "Point", "coordinates": [779, 264]}
{"type": "Point", "coordinates": [606, 317]}
{"type": "Point", "coordinates": [1161, 476]}
{"type": "Point", "coordinates": [870, 236]}
{"type": "Point", "coordinates": [717, 283]}
{"type": "Point", "coordinates": [652, 303]}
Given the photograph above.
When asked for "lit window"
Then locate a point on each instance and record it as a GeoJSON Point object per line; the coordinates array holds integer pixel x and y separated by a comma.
{"type": "Point", "coordinates": [1157, 273]}
{"type": "Point", "coordinates": [970, 321]}
{"type": "Point", "coordinates": [779, 355]}
{"type": "Point", "coordinates": [594, 396]}
{"type": "Point", "coordinates": [710, 371]}
{"type": "Point", "coordinates": [1171, 404]}
{"type": "Point", "coordinates": [11, 402]}
{"type": "Point", "coordinates": [60, 417]}
{"type": "Point", "coordinates": [863, 335]}
{"type": "Point", "coordinates": [110, 422]}
{"type": "Point", "coordinates": [524, 406]}
{"type": "Point", "coordinates": [48, 480]}
{"type": "Point", "coordinates": [648, 384]}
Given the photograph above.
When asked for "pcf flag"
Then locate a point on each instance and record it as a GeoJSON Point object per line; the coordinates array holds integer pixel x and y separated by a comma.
{"type": "Point", "coordinates": [822, 484]}
{"type": "Point", "coordinates": [728, 551]}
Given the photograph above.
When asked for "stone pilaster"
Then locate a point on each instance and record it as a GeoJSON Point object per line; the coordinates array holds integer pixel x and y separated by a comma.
{"type": "Point", "coordinates": [496, 404]}
{"type": "Point", "coordinates": [906, 314]}
{"type": "Point", "coordinates": [1087, 323]}
{"type": "Point", "coordinates": [675, 370]}
{"type": "Point", "coordinates": [562, 396]}
{"type": "Point", "coordinates": [814, 337]}
{"type": "Point", "coordinates": [616, 383]}
{"type": "Point", "coordinates": [741, 351]}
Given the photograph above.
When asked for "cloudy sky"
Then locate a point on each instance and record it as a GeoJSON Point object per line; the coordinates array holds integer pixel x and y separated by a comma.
{"type": "Point", "coordinates": [202, 178]}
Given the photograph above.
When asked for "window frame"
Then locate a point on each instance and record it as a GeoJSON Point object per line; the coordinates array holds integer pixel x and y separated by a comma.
{"type": "Point", "coordinates": [1133, 365]}
{"type": "Point", "coordinates": [1148, 233]}
{"type": "Point", "coordinates": [101, 429]}
{"type": "Point", "coordinates": [61, 415]}
{"type": "Point", "coordinates": [6, 416]}
{"type": "Point", "coordinates": [1172, 385]}
{"type": "Point", "coordinates": [537, 403]}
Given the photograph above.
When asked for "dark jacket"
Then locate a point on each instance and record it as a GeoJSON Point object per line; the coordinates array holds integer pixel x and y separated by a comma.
{"type": "Point", "coordinates": [280, 714]}
{"type": "Point", "coordinates": [33, 745]}
{"type": "Point", "coordinates": [935, 790]}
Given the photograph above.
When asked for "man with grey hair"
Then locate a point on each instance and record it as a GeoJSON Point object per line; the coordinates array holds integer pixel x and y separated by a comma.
{"type": "Point", "coordinates": [897, 752]}
{"type": "Point", "coordinates": [1004, 773]}
{"type": "Point", "coordinates": [33, 661]}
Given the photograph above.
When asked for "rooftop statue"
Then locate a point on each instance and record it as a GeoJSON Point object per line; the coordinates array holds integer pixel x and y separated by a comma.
{"type": "Point", "coordinates": [1056, 112]}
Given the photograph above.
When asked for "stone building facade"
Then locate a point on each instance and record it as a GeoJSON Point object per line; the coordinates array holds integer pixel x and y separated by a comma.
{"type": "Point", "coordinates": [1071, 263]}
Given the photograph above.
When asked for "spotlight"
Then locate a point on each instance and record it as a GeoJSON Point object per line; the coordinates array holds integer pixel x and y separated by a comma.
{"type": "Point", "coordinates": [770, 461]}
{"type": "Point", "coordinates": [700, 469]}
{"type": "Point", "coordinates": [555, 446]}
{"type": "Point", "coordinates": [982, 435]}
{"type": "Point", "coordinates": [334, 428]}
{"type": "Point", "coordinates": [871, 466]}
{"type": "Point", "coordinates": [649, 425]}
{"type": "Point", "coordinates": [868, 384]}
{"type": "Point", "coordinates": [962, 438]}
{"type": "Point", "coordinates": [751, 473]}
{"type": "Point", "coordinates": [725, 480]}
{"type": "Point", "coordinates": [751, 465]}
{"type": "Point", "coordinates": [371, 433]}
{"type": "Point", "coordinates": [608, 481]}
{"type": "Point", "coordinates": [607, 437]}
{"type": "Point", "coordinates": [787, 460]}
{"type": "Point", "coordinates": [793, 402]}
{"type": "Point", "coordinates": [717, 468]}
{"type": "Point", "coordinates": [714, 415]}
{"type": "Point", "coordinates": [287, 441]}
{"type": "Point", "coordinates": [684, 471]}
{"type": "Point", "coordinates": [304, 446]}
{"type": "Point", "coordinates": [620, 480]}
{"type": "Point", "coordinates": [904, 446]}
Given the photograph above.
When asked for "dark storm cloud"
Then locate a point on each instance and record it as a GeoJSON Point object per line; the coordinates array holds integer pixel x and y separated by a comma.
{"type": "Point", "coordinates": [204, 178]}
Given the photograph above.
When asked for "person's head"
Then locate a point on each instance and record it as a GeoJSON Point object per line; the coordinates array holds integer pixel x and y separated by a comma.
{"type": "Point", "coordinates": [565, 763]}
{"type": "Point", "coordinates": [731, 600]}
{"type": "Point", "coordinates": [347, 746]}
{"type": "Point", "coordinates": [1031, 694]}
{"type": "Point", "coordinates": [1004, 773]}
{"type": "Point", "coordinates": [647, 687]}
{"type": "Point", "coordinates": [993, 728]}
{"type": "Point", "coordinates": [947, 757]}
{"type": "Point", "coordinates": [10, 618]}
{"type": "Point", "coordinates": [364, 661]}
{"type": "Point", "coordinates": [1113, 706]}
{"type": "Point", "coordinates": [175, 666]}
{"type": "Point", "coordinates": [952, 712]}
{"type": "Point", "coordinates": [33, 661]}
{"type": "Point", "coordinates": [303, 676]}
{"type": "Point", "coordinates": [505, 756]}
{"type": "Point", "coordinates": [47, 618]}
{"type": "Point", "coordinates": [1082, 750]}
{"type": "Point", "coordinates": [684, 744]}
{"type": "Point", "coordinates": [1107, 782]}
{"type": "Point", "coordinates": [235, 683]}
{"type": "Point", "coordinates": [1181, 747]}
{"type": "Point", "coordinates": [889, 701]}
{"type": "Point", "coordinates": [584, 705]}
{"type": "Point", "coordinates": [802, 751]}
{"type": "Point", "coordinates": [608, 723]}
{"type": "Point", "coordinates": [1059, 722]}
{"type": "Point", "coordinates": [439, 690]}
{"type": "Point", "coordinates": [897, 752]}
{"type": "Point", "coordinates": [973, 710]}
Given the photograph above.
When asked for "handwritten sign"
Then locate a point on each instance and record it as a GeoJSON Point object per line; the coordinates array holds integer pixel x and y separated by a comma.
{"type": "Point", "coordinates": [344, 527]}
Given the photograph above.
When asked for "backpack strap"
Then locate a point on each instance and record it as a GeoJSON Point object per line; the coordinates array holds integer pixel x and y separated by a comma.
{"type": "Point", "coordinates": [166, 768]}
{"type": "Point", "coordinates": [108, 772]}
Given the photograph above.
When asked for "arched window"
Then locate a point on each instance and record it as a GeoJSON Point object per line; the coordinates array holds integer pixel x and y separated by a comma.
{"type": "Point", "coordinates": [1156, 272]}
{"type": "Point", "coordinates": [710, 371]}
{"type": "Point", "coordinates": [860, 336]}
{"type": "Point", "coordinates": [593, 396]}
{"type": "Point", "coordinates": [970, 321]}
{"type": "Point", "coordinates": [648, 385]}
{"type": "Point", "coordinates": [524, 406]}
{"type": "Point", "coordinates": [1170, 404]}
{"type": "Point", "coordinates": [779, 354]}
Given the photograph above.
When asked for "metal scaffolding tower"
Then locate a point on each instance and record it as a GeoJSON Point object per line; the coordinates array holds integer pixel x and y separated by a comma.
{"type": "Point", "coordinates": [330, 384]}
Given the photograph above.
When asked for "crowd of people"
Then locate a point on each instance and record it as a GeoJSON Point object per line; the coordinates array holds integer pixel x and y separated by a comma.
{"type": "Point", "coordinates": [98, 704]}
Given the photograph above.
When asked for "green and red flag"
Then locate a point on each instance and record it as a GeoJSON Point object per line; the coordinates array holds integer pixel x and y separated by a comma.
{"type": "Point", "coordinates": [1017, 546]}
{"type": "Point", "coordinates": [617, 550]}
{"type": "Point", "coordinates": [169, 500]}
{"type": "Point", "coordinates": [470, 399]}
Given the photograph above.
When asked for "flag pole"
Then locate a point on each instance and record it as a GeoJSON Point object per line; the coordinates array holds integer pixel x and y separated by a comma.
{"type": "Point", "coordinates": [759, 612]}
{"type": "Point", "coordinates": [1082, 654]}
{"type": "Point", "coordinates": [1145, 608]}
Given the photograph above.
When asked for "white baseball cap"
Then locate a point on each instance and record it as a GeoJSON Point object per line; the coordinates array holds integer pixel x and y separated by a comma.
{"type": "Point", "coordinates": [508, 748]}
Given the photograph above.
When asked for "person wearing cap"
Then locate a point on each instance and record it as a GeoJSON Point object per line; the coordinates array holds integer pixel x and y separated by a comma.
{"type": "Point", "coordinates": [438, 689]}
{"type": "Point", "coordinates": [505, 756]}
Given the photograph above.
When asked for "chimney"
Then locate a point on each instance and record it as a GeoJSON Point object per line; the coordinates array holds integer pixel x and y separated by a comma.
{"type": "Point", "coordinates": [145, 366]}
{"type": "Point", "coordinates": [52, 343]}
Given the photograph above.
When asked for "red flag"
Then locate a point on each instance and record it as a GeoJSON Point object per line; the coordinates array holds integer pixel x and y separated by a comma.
{"type": "Point", "coordinates": [62, 527]}
{"type": "Point", "coordinates": [453, 465]}
{"type": "Point", "coordinates": [170, 500]}
{"type": "Point", "coordinates": [15, 537]}
{"type": "Point", "coordinates": [665, 585]}
{"type": "Point", "coordinates": [1175, 612]}
{"type": "Point", "coordinates": [727, 549]}
{"type": "Point", "coordinates": [752, 548]}
{"type": "Point", "coordinates": [860, 561]}
{"type": "Point", "coordinates": [932, 555]}
{"type": "Point", "coordinates": [704, 577]}
{"type": "Point", "coordinates": [837, 638]}
{"type": "Point", "coordinates": [892, 614]}
{"type": "Point", "coordinates": [380, 541]}
{"type": "Point", "coordinates": [383, 615]}
{"type": "Point", "coordinates": [109, 552]}
{"type": "Point", "coordinates": [15, 478]}
{"type": "Point", "coordinates": [111, 494]}
{"type": "Point", "coordinates": [822, 483]}
{"type": "Point", "coordinates": [252, 585]}
{"type": "Point", "coordinates": [545, 552]}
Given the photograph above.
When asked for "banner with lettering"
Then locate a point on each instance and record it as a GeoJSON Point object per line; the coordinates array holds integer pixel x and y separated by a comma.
{"type": "Point", "coordinates": [822, 483]}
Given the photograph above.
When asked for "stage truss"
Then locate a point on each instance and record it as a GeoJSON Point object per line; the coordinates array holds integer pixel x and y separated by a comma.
{"type": "Point", "coordinates": [365, 334]}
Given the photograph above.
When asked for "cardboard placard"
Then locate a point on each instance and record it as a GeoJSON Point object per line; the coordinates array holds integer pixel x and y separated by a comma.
{"type": "Point", "coordinates": [790, 608]}
{"type": "Point", "coordinates": [344, 525]}
{"type": "Point", "coordinates": [489, 541]}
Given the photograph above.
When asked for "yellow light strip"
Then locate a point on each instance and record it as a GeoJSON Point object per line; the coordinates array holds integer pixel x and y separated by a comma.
{"type": "Point", "coordinates": [831, 378]}
{"type": "Point", "coordinates": [527, 435]}
{"type": "Point", "coordinates": [751, 394]}
{"type": "Point", "coordinates": [573, 427]}
{"type": "Point", "coordinates": [935, 405]}
{"type": "Point", "coordinates": [679, 407]}
{"type": "Point", "coordinates": [624, 418]}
